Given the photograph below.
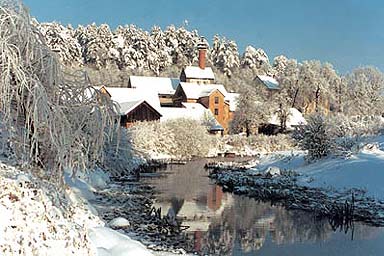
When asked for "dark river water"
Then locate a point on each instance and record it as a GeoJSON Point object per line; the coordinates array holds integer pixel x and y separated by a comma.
{"type": "Point", "coordinates": [225, 224]}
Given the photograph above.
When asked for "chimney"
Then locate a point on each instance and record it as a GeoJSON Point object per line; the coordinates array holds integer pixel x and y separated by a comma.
{"type": "Point", "coordinates": [202, 46]}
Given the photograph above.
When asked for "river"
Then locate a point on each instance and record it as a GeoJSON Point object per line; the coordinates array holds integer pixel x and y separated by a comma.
{"type": "Point", "coordinates": [225, 224]}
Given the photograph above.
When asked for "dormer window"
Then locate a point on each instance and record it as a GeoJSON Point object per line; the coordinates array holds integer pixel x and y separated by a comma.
{"type": "Point", "coordinates": [216, 100]}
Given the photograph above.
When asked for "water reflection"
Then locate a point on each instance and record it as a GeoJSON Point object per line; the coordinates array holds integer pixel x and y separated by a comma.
{"type": "Point", "coordinates": [223, 224]}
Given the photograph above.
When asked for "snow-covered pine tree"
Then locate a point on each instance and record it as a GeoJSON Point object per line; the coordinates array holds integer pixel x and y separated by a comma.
{"type": "Point", "coordinates": [316, 137]}
{"type": "Point", "coordinates": [257, 60]}
{"type": "Point", "coordinates": [163, 57]}
{"type": "Point", "coordinates": [61, 40]}
{"type": "Point", "coordinates": [97, 44]}
{"type": "Point", "coordinates": [224, 55]}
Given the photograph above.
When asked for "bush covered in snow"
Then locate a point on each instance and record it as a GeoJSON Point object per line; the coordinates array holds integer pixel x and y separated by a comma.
{"type": "Point", "coordinates": [336, 135]}
{"type": "Point", "coordinates": [180, 138]}
{"type": "Point", "coordinates": [357, 125]}
{"type": "Point", "coordinates": [259, 142]}
{"type": "Point", "coordinates": [316, 137]}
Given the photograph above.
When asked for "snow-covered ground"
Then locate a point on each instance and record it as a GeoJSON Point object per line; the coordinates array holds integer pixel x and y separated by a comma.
{"type": "Point", "coordinates": [37, 220]}
{"type": "Point", "coordinates": [106, 240]}
{"type": "Point", "coordinates": [364, 170]}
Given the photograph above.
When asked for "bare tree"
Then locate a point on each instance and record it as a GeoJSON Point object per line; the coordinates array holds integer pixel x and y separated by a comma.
{"type": "Point", "coordinates": [250, 112]}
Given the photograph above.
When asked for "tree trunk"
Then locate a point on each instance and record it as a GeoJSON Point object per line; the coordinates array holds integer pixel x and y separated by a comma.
{"type": "Point", "coordinates": [295, 97]}
{"type": "Point", "coordinates": [317, 99]}
{"type": "Point", "coordinates": [247, 129]}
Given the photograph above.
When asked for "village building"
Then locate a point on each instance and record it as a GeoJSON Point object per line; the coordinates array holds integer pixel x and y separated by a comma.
{"type": "Point", "coordinates": [135, 111]}
{"type": "Point", "coordinates": [270, 85]}
{"type": "Point", "coordinates": [197, 75]}
{"type": "Point", "coordinates": [194, 95]}
{"type": "Point", "coordinates": [134, 105]}
{"type": "Point", "coordinates": [165, 87]}
{"type": "Point", "coordinates": [197, 85]}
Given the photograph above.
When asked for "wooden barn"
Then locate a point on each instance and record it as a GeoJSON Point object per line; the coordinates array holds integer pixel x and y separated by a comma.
{"type": "Point", "coordinates": [137, 111]}
{"type": "Point", "coordinates": [133, 104]}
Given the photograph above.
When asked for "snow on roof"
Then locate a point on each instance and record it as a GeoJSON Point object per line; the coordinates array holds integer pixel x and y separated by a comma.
{"type": "Point", "coordinates": [198, 73]}
{"type": "Point", "coordinates": [269, 82]}
{"type": "Point", "coordinates": [232, 98]}
{"type": "Point", "coordinates": [194, 111]}
{"type": "Point", "coordinates": [217, 127]}
{"type": "Point", "coordinates": [196, 91]}
{"type": "Point", "coordinates": [122, 95]}
{"type": "Point", "coordinates": [161, 85]}
{"type": "Point", "coordinates": [126, 107]}
{"type": "Point", "coordinates": [91, 91]}
{"type": "Point", "coordinates": [295, 118]}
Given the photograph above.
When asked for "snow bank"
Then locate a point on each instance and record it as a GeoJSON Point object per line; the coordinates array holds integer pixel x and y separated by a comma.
{"type": "Point", "coordinates": [363, 170]}
{"type": "Point", "coordinates": [36, 220]}
{"type": "Point", "coordinates": [119, 222]}
{"type": "Point", "coordinates": [104, 240]}
{"type": "Point", "coordinates": [111, 242]}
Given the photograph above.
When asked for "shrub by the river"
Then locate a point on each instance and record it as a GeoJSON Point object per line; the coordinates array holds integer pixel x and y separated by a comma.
{"type": "Point", "coordinates": [181, 138]}
{"type": "Point", "coordinates": [336, 135]}
{"type": "Point", "coordinates": [260, 142]}
{"type": "Point", "coordinates": [316, 137]}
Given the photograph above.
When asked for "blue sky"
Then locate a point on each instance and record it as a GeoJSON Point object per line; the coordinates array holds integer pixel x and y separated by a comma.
{"type": "Point", "coordinates": [347, 33]}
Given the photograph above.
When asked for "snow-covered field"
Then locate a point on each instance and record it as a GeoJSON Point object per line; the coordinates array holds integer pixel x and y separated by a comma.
{"type": "Point", "coordinates": [363, 170]}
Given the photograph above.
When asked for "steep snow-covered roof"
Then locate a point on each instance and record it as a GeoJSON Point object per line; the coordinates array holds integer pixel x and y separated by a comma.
{"type": "Point", "coordinates": [269, 82]}
{"type": "Point", "coordinates": [198, 73]}
{"type": "Point", "coordinates": [122, 95]}
{"type": "Point", "coordinates": [161, 85]}
{"type": "Point", "coordinates": [196, 91]}
{"type": "Point", "coordinates": [126, 107]}
{"type": "Point", "coordinates": [194, 111]}
{"type": "Point", "coordinates": [295, 118]}
{"type": "Point", "coordinates": [232, 98]}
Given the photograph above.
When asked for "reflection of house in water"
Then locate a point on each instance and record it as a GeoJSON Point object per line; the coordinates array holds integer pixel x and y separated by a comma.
{"type": "Point", "coordinates": [197, 212]}
{"type": "Point", "coordinates": [190, 195]}
{"type": "Point", "coordinates": [221, 224]}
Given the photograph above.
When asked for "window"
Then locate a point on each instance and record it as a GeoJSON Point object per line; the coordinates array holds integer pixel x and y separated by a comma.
{"type": "Point", "coordinates": [216, 100]}
{"type": "Point", "coordinates": [216, 112]}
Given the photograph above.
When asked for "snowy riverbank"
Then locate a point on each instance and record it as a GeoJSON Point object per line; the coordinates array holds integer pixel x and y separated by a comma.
{"type": "Point", "coordinates": [324, 186]}
{"type": "Point", "coordinates": [37, 220]}
{"type": "Point", "coordinates": [362, 170]}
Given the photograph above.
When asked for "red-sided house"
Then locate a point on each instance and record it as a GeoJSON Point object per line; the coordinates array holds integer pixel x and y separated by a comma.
{"type": "Point", "coordinates": [211, 96]}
